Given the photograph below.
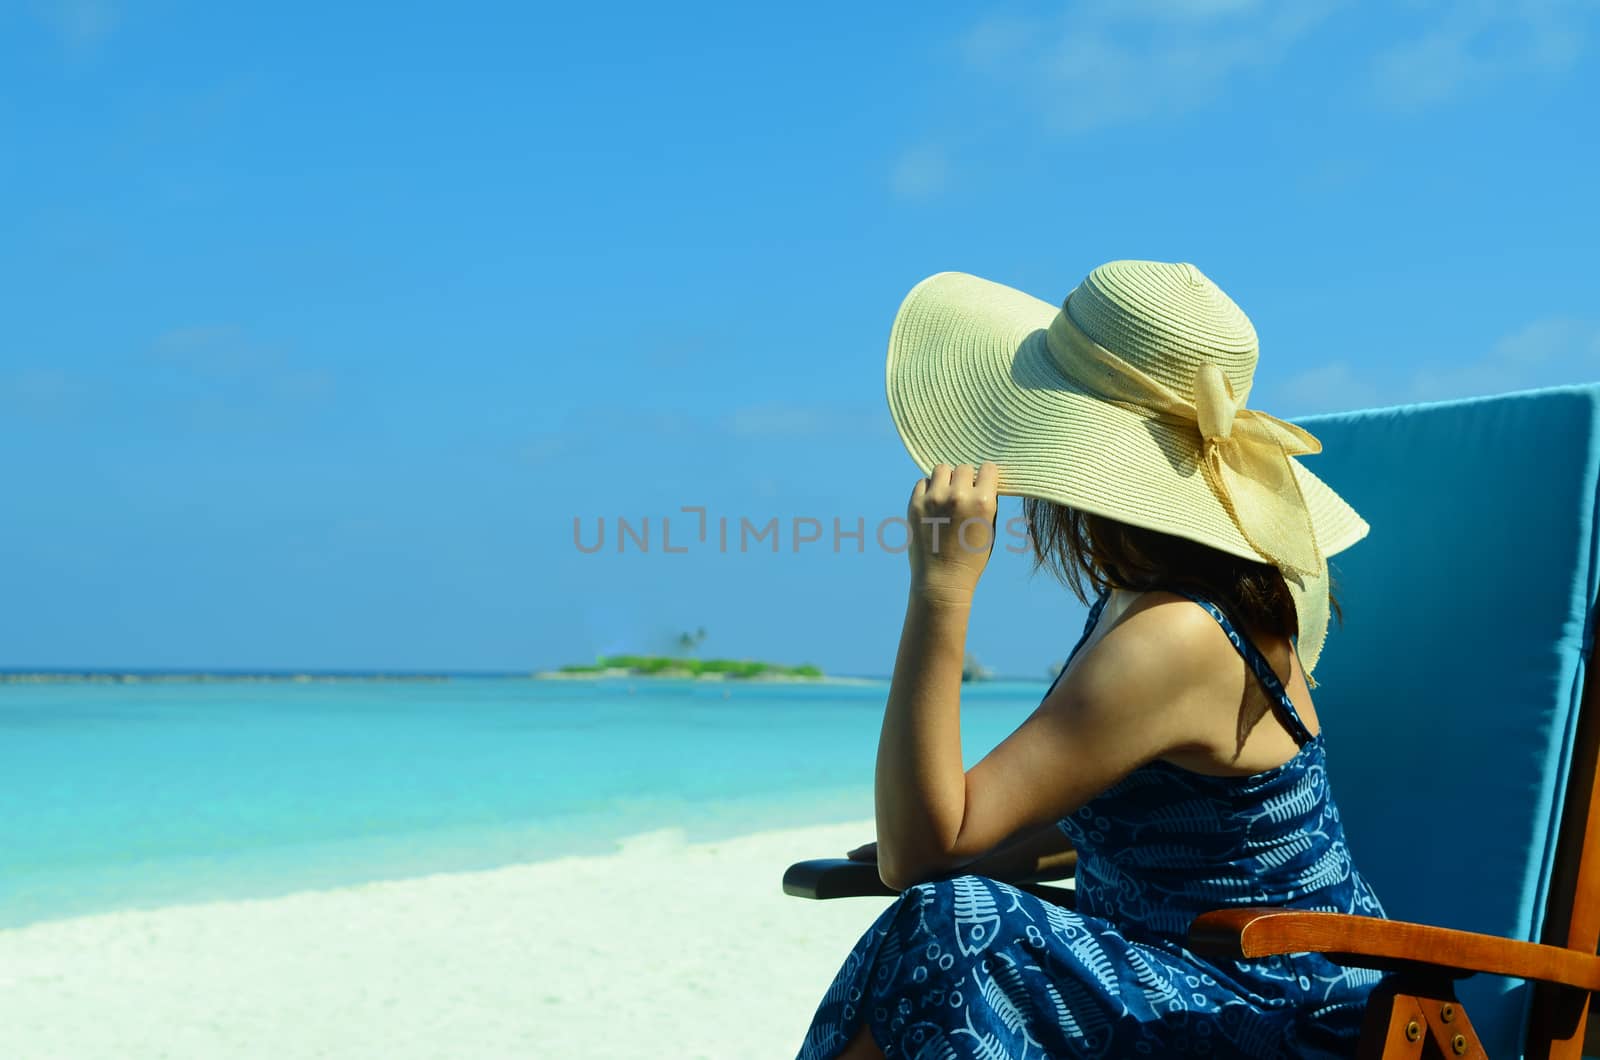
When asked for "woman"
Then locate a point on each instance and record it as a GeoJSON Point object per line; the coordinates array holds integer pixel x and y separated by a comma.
{"type": "Point", "coordinates": [1179, 752]}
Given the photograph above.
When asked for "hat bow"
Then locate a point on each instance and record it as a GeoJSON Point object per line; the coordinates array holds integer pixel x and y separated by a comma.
{"type": "Point", "coordinates": [1245, 456]}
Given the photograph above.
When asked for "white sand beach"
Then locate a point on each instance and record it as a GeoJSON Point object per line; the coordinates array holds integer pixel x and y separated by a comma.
{"type": "Point", "coordinates": [665, 949]}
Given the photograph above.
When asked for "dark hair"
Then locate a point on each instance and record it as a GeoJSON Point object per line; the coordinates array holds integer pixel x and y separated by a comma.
{"type": "Point", "coordinates": [1093, 552]}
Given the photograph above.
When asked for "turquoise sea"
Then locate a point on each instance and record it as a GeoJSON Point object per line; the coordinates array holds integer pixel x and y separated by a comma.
{"type": "Point", "coordinates": [116, 796]}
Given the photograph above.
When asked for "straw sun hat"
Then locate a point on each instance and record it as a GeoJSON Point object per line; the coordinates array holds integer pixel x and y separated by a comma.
{"type": "Point", "coordinates": [1127, 402]}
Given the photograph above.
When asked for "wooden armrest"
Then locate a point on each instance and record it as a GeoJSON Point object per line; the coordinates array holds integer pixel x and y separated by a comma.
{"type": "Point", "coordinates": [841, 878]}
{"type": "Point", "coordinates": [1370, 942]}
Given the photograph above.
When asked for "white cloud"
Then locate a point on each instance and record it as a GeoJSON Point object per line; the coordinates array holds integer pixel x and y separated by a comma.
{"type": "Point", "coordinates": [920, 174]}
{"type": "Point", "coordinates": [215, 351]}
{"type": "Point", "coordinates": [1333, 176]}
{"type": "Point", "coordinates": [1555, 351]}
{"type": "Point", "coordinates": [43, 393]}
{"type": "Point", "coordinates": [778, 419]}
{"type": "Point", "coordinates": [1331, 387]}
{"type": "Point", "coordinates": [996, 40]}
{"type": "Point", "coordinates": [1186, 8]}
{"type": "Point", "coordinates": [543, 450]}
{"type": "Point", "coordinates": [1471, 42]}
{"type": "Point", "coordinates": [82, 25]}
{"type": "Point", "coordinates": [1101, 63]}
{"type": "Point", "coordinates": [219, 375]}
{"type": "Point", "coordinates": [1110, 62]}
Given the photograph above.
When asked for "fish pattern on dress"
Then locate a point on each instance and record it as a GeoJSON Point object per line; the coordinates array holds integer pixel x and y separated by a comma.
{"type": "Point", "coordinates": [968, 967]}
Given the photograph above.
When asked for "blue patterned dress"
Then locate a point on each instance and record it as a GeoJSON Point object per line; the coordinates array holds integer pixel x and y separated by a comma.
{"type": "Point", "coordinates": [969, 967]}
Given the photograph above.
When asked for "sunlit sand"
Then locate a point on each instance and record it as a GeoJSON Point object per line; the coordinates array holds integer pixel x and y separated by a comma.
{"type": "Point", "coordinates": [664, 949]}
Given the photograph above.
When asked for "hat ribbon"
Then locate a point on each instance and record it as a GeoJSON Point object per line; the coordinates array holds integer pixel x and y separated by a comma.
{"type": "Point", "coordinates": [1245, 455]}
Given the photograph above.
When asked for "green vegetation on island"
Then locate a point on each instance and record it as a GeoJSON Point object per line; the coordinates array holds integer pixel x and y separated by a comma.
{"type": "Point", "coordinates": [685, 665]}
{"type": "Point", "coordinates": [674, 666]}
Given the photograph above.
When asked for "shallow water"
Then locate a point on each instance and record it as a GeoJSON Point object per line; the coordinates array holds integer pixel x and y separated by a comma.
{"type": "Point", "coordinates": [121, 796]}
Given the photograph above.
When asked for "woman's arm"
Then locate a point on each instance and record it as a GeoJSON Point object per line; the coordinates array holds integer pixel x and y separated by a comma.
{"type": "Point", "coordinates": [1040, 854]}
{"type": "Point", "coordinates": [920, 785]}
{"type": "Point", "coordinates": [1146, 688]}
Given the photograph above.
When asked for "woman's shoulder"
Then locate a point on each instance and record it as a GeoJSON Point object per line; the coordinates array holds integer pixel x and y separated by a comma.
{"type": "Point", "coordinates": [1166, 625]}
{"type": "Point", "coordinates": [1158, 650]}
{"type": "Point", "coordinates": [1194, 663]}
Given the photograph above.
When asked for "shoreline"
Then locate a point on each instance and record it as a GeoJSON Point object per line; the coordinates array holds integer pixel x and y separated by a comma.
{"type": "Point", "coordinates": [588, 955]}
{"type": "Point", "coordinates": [757, 679]}
{"type": "Point", "coordinates": [133, 677]}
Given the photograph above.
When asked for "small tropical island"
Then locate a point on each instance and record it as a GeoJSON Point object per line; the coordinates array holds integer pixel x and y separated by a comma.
{"type": "Point", "coordinates": [670, 666]}
{"type": "Point", "coordinates": [685, 666]}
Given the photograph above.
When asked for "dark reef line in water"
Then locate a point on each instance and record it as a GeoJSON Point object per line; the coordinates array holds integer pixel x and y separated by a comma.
{"type": "Point", "coordinates": [112, 677]}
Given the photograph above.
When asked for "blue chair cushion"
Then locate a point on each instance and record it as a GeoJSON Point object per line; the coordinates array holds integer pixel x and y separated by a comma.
{"type": "Point", "coordinates": [1449, 697]}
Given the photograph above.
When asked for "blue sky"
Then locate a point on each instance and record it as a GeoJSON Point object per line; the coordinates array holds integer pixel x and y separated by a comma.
{"type": "Point", "coordinates": [324, 322]}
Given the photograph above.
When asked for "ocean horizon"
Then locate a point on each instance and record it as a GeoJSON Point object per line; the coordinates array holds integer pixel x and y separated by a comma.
{"type": "Point", "coordinates": [166, 791]}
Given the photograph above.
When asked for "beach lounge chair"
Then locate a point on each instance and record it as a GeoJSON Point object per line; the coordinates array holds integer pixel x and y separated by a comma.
{"type": "Point", "coordinates": [1462, 728]}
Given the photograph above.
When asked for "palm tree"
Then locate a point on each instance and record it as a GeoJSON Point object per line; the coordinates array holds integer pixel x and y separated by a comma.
{"type": "Point", "coordinates": [688, 642]}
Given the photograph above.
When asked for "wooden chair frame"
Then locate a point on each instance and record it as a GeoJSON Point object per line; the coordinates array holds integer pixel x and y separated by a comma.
{"type": "Point", "coordinates": [1415, 1012]}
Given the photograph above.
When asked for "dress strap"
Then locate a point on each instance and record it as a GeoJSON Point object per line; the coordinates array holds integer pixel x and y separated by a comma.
{"type": "Point", "coordinates": [1257, 663]}
{"type": "Point", "coordinates": [1088, 628]}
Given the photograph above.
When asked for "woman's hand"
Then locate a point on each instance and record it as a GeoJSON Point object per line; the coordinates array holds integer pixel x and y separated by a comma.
{"type": "Point", "coordinates": [864, 852]}
{"type": "Point", "coordinates": [952, 514]}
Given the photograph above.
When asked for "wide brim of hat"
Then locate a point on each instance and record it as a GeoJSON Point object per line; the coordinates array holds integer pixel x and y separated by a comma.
{"type": "Point", "coordinates": [970, 378]}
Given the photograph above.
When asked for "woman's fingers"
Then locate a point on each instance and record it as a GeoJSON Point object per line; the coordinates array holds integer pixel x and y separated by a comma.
{"type": "Point", "coordinates": [952, 518]}
{"type": "Point", "coordinates": [865, 852]}
{"type": "Point", "coordinates": [989, 479]}
{"type": "Point", "coordinates": [945, 481]}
